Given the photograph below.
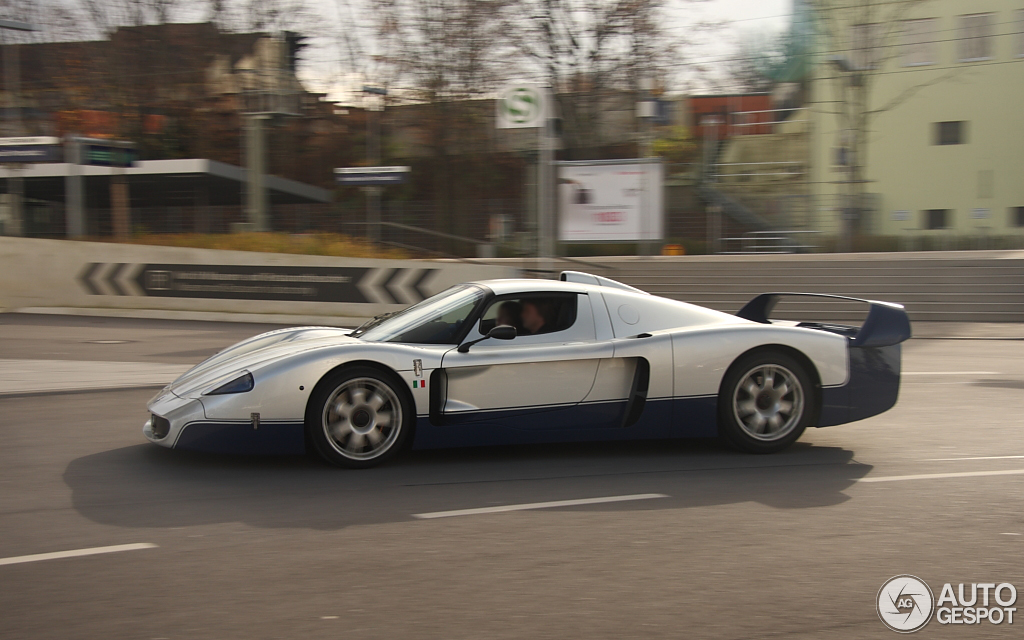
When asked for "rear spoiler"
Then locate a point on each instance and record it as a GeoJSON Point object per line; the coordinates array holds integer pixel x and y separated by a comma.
{"type": "Point", "coordinates": [886, 324]}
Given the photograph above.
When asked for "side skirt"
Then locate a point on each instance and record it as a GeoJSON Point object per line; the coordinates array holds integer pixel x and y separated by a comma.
{"type": "Point", "coordinates": [661, 419]}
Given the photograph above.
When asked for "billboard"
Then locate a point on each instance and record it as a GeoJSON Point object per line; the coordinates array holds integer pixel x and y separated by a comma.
{"type": "Point", "coordinates": [610, 201]}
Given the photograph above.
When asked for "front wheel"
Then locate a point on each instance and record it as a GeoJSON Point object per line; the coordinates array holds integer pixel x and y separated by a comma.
{"type": "Point", "coordinates": [766, 401]}
{"type": "Point", "coordinates": [358, 417]}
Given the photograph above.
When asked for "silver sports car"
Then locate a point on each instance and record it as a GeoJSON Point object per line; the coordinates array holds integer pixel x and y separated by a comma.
{"type": "Point", "coordinates": [531, 361]}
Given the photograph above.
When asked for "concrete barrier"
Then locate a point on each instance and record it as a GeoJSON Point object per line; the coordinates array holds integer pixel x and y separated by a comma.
{"type": "Point", "coordinates": [168, 282]}
{"type": "Point", "coordinates": [122, 279]}
{"type": "Point", "coordinates": [935, 286]}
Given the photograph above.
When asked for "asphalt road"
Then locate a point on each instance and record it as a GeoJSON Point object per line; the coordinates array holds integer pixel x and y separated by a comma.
{"type": "Point", "coordinates": [794, 545]}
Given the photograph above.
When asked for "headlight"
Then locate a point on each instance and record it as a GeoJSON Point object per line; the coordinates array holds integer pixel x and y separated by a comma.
{"type": "Point", "coordinates": [241, 384]}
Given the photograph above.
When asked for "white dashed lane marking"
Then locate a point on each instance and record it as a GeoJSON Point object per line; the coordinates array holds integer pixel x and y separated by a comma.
{"type": "Point", "coordinates": [949, 373]}
{"type": "Point", "coordinates": [75, 553]}
{"type": "Point", "coordinates": [975, 458]}
{"type": "Point", "coordinates": [937, 476]}
{"type": "Point", "coordinates": [537, 505]}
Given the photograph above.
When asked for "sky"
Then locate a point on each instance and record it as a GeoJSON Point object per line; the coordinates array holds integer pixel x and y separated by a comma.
{"type": "Point", "coordinates": [323, 73]}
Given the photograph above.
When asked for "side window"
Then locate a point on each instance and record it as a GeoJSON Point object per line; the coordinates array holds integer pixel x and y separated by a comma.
{"type": "Point", "coordinates": [531, 314]}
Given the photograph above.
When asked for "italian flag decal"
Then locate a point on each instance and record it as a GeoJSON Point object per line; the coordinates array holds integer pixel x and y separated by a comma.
{"type": "Point", "coordinates": [419, 384]}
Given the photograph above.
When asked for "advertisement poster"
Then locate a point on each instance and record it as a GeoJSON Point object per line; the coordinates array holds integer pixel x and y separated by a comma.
{"type": "Point", "coordinates": [610, 201]}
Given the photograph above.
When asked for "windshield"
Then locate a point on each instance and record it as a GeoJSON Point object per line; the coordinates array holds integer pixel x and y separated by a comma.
{"type": "Point", "coordinates": [436, 320]}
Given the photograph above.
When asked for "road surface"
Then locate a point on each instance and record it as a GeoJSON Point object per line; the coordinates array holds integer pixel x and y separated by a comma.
{"type": "Point", "coordinates": [660, 540]}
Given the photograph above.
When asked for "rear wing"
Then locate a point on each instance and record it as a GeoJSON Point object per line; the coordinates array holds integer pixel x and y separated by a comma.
{"type": "Point", "coordinates": [886, 323]}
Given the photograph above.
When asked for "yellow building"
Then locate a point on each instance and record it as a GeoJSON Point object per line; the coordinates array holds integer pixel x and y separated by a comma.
{"type": "Point", "coordinates": [942, 150]}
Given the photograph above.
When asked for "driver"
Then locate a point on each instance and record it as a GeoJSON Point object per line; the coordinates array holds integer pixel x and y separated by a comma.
{"type": "Point", "coordinates": [537, 316]}
{"type": "Point", "coordinates": [510, 313]}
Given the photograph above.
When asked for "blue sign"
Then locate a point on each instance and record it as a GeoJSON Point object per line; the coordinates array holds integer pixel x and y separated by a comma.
{"type": "Point", "coordinates": [30, 149]}
{"type": "Point", "coordinates": [32, 153]}
{"type": "Point", "coordinates": [109, 156]}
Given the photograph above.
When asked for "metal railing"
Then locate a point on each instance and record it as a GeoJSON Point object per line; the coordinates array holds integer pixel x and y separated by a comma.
{"type": "Point", "coordinates": [772, 241]}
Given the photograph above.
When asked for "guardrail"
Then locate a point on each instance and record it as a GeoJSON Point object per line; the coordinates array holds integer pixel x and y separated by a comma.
{"type": "Point", "coordinates": [769, 242]}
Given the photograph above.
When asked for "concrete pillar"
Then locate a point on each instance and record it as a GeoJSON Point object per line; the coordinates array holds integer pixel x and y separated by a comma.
{"type": "Point", "coordinates": [201, 208]}
{"type": "Point", "coordinates": [256, 168]}
{"type": "Point", "coordinates": [74, 192]}
{"type": "Point", "coordinates": [15, 207]}
{"type": "Point", "coordinates": [120, 205]}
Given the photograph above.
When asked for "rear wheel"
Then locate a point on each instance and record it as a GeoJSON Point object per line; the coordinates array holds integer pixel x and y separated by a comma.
{"type": "Point", "coordinates": [766, 401]}
{"type": "Point", "coordinates": [359, 417]}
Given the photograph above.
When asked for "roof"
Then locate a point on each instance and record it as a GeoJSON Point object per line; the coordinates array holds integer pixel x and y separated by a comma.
{"type": "Point", "coordinates": [517, 285]}
{"type": "Point", "coordinates": [157, 175]}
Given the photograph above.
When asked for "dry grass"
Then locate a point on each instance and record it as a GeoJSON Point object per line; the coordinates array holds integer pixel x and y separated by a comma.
{"type": "Point", "coordinates": [312, 244]}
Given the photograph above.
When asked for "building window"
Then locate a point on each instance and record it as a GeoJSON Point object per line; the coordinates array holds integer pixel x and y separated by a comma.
{"type": "Point", "coordinates": [919, 38]}
{"type": "Point", "coordinates": [1017, 216]}
{"type": "Point", "coordinates": [954, 132]}
{"type": "Point", "coordinates": [865, 46]}
{"type": "Point", "coordinates": [936, 219]}
{"type": "Point", "coordinates": [975, 36]}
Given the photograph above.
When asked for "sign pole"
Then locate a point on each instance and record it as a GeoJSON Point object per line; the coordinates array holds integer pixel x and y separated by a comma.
{"type": "Point", "coordinates": [546, 222]}
{"type": "Point", "coordinates": [542, 218]}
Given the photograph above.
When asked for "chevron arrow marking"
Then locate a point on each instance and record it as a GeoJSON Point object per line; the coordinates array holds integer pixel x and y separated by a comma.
{"type": "Point", "coordinates": [372, 287]}
{"type": "Point", "coordinates": [85, 278]}
{"type": "Point", "coordinates": [418, 286]}
{"type": "Point", "coordinates": [111, 278]}
{"type": "Point", "coordinates": [395, 289]}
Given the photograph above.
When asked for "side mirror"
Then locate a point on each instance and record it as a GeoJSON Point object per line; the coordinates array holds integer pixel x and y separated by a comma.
{"type": "Point", "coordinates": [500, 332]}
{"type": "Point", "coordinates": [503, 332]}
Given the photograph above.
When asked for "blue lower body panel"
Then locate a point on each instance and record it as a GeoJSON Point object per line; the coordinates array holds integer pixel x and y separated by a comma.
{"type": "Point", "coordinates": [873, 387]}
{"type": "Point", "coordinates": [661, 419]}
{"type": "Point", "coordinates": [666, 418]}
{"type": "Point", "coordinates": [274, 438]}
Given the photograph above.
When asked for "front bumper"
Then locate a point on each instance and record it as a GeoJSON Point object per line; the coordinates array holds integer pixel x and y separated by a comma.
{"type": "Point", "coordinates": [179, 412]}
{"type": "Point", "coordinates": [188, 428]}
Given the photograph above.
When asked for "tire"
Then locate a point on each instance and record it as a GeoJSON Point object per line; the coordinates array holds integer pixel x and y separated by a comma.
{"type": "Point", "coordinates": [752, 415]}
{"type": "Point", "coordinates": [359, 417]}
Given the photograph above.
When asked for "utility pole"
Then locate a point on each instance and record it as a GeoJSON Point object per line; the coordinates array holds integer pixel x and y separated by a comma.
{"type": "Point", "coordinates": [267, 91]}
{"type": "Point", "coordinates": [256, 169]}
{"type": "Point", "coordinates": [12, 78]}
{"type": "Point", "coordinates": [646, 111]}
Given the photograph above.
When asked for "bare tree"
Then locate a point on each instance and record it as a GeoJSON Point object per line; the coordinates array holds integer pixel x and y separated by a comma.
{"type": "Point", "coordinates": [861, 37]}
{"type": "Point", "coordinates": [446, 55]}
{"type": "Point", "coordinates": [588, 50]}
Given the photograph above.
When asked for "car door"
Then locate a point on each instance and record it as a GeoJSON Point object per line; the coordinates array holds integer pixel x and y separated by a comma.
{"type": "Point", "coordinates": [511, 382]}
